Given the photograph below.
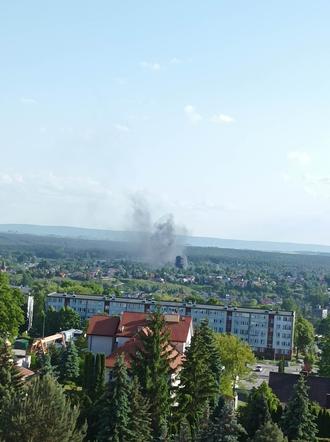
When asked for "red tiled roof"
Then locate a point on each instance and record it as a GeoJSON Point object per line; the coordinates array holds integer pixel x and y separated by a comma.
{"type": "Point", "coordinates": [131, 323]}
{"type": "Point", "coordinates": [25, 372]}
{"type": "Point", "coordinates": [101, 325]}
{"type": "Point", "coordinates": [130, 348]}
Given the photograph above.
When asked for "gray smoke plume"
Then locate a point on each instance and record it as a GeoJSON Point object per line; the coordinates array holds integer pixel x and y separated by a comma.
{"type": "Point", "coordinates": [158, 241]}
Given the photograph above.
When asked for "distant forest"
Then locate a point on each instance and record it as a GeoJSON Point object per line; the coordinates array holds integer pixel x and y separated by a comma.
{"type": "Point", "coordinates": [52, 247]}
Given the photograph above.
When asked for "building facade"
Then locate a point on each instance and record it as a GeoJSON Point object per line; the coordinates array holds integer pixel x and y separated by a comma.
{"type": "Point", "coordinates": [269, 333]}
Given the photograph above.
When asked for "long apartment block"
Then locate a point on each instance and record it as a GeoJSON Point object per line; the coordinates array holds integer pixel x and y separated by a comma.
{"type": "Point", "coordinates": [269, 332]}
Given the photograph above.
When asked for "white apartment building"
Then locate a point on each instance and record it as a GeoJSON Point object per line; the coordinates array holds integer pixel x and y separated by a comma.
{"type": "Point", "coordinates": [269, 332]}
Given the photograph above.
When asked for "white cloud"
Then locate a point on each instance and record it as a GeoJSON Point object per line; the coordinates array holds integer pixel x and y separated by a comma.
{"type": "Point", "coordinates": [222, 119]}
{"type": "Point", "coordinates": [192, 114]}
{"type": "Point", "coordinates": [151, 65]}
{"type": "Point", "coordinates": [122, 128]}
{"type": "Point", "coordinates": [28, 100]}
{"type": "Point", "coordinates": [302, 158]}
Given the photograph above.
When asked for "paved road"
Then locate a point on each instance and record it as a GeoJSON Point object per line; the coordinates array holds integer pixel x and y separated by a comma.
{"type": "Point", "coordinates": [257, 378]}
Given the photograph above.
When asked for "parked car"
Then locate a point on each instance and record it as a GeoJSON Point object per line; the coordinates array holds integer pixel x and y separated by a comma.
{"type": "Point", "coordinates": [258, 368]}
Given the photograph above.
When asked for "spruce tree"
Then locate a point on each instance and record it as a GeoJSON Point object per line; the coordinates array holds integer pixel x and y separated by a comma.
{"type": "Point", "coordinates": [10, 378]}
{"type": "Point", "coordinates": [88, 374]}
{"type": "Point", "coordinates": [269, 432]}
{"type": "Point", "coordinates": [70, 364]}
{"type": "Point", "coordinates": [223, 425]}
{"type": "Point", "coordinates": [298, 421]}
{"type": "Point", "coordinates": [93, 385]}
{"type": "Point", "coordinates": [257, 411]}
{"type": "Point", "coordinates": [198, 386]}
{"type": "Point", "coordinates": [114, 418]}
{"type": "Point", "coordinates": [43, 414]}
{"type": "Point", "coordinates": [151, 365]}
{"type": "Point", "coordinates": [46, 367]}
{"type": "Point", "coordinates": [212, 355]}
{"type": "Point", "coordinates": [139, 417]}
{"type": "Point", "coordinates": [99, 374]}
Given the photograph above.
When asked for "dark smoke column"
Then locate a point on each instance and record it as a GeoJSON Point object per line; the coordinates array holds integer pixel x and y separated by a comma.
{"type": "Point", "coordinates": [181, 262]}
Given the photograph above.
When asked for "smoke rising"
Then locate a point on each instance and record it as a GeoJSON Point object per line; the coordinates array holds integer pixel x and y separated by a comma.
{"type": "Point", "coordinates": [158, 240]}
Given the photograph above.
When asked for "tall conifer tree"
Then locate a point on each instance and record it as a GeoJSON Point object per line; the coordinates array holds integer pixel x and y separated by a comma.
{"type": "Point", "coordinates": [198, 386]}
{"type": "Point", "coordinates": [223, 425]}
{"type": "Point", "coordinates": [151, 365]}
{"type": "Point", "coordinates": [139, 416]}
{"type": "Point", "coordinates": [70, 363]}
{"type": "Point", "coordinates": [114, 418]}
{"type": "Point", "coordinates": [298, 421]}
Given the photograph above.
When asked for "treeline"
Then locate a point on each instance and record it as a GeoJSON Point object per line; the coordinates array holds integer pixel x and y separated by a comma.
{"type": "Point", "coordinates": [52, 247]}
{"type": "Point", "coordinates": [147, 398]}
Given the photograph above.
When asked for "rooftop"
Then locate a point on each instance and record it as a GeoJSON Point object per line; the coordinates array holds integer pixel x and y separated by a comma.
{"type": "Point", "coordinates": [170, 304]}
{"type": "Point", "coordinates": [130, 323]}
{"type": "Point", "coordinates": [130, 348]}
{"type": "Point", "coordinates": [282, 385]}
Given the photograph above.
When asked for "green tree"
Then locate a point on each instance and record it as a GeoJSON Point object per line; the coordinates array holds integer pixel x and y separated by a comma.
{"type": "Point", "coordinates": [44, 413]}
{"type": "Point", "coordinates": [223, 425]}
{"type": "Point", "coordinates": [93, 375]}
{"type": "Point", "coordinates": [262, 404]}
{"type": "Point", "coordinates": [68, 318]}
{"type": "Point", "coordinates": [10, 378]}
{"type": "Point", "coordinates": [269, 432]}
{"type": "Point", "coordinates": [64, 319]}
{"type": "Point", "coordinates": [304, 335]}
{"type": "Point", "coordinates": [11, 311]}
{"type": "Point", "coordinates": [323, 327]}
{"type": "Point", "coordinates": [70, 363]}
{"type": "Point", "coordinates": [198, 387]}
{"type": "Point", "coordinates": [235, 356]}
{"type": "Point", "coordinates": [298, 421]}
{"type": "Point", "coordinates": [114, 418]}
{"type": "Point", "coordinates": [289, 304]}
{"type": "Point", "coordinates": [212, 351]}
{"type": "Point", "coordinates": [324, 363]}
{"type": "Point", "coordinates": [139, 416]}
{"type": "Point", "coordinates": [151, 365]}
{"type": "Point", "coordinates": [323, 423]}
{"type": "Point", "coordinates": [46, 367]}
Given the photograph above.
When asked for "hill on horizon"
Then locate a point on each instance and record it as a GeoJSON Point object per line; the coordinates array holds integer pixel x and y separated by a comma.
{"type": "Point", "coordinates": [130, 236]}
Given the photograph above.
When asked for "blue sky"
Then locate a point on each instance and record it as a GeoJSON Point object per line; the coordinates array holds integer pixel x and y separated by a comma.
{"type": "Point", "coordinates": [215, 111]}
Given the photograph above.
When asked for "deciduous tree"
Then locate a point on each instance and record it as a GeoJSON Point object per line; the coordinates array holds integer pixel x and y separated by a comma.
{"type": "Point", "coordinates": [324, 363]}
{"type": "Point", "coordinates": [235, 356]}
{"type": "Point", "coordinates": [11, 311]}
{"type": "Point", "coordinates": [304, 335]}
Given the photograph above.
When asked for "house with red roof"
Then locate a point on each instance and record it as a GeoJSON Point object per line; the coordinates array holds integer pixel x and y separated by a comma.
{"type": "Point", "coordinates": [115, 335]}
